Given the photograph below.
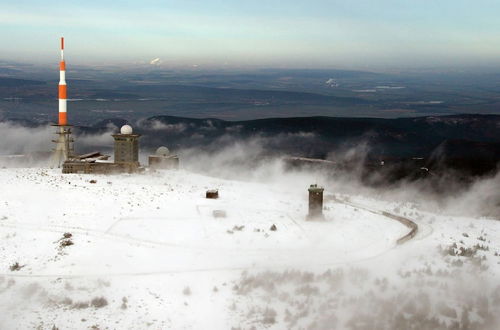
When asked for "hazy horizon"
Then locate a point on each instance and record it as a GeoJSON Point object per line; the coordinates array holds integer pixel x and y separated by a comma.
{"type": "Point", "coordinates": [216, 34]}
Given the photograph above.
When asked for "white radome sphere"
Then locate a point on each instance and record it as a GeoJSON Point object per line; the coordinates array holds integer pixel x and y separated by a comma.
{"type": "Point", "coordinates": [162, 151]}
{"type": "Point", "coordinates": [126, 129]}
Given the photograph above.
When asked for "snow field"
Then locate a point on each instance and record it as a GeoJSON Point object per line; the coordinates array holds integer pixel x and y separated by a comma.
{"type": "Point", "coordinates": [148, 252]}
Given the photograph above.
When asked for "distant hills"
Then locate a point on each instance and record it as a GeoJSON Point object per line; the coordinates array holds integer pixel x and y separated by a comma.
{"type": "Point", "coordinates": [98, 93]}
{"type": "Point", "coordinates": [458, 141]}
{"type": "Point", "coordinates": [404, 148]}
{"type": "Point", "coordinates": [14, 82]}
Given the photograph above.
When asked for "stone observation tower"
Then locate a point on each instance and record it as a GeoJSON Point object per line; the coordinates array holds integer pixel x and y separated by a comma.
{"type": "Point", "coordinates": [315, 202]}
{"type": "Point", "coordinates": [127, 148]}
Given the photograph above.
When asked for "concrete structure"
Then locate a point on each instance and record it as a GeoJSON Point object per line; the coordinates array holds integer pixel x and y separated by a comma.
{"type": "Point", "coordinates": [219, 213]}
{"type": "Point", "coordinates": [83, 167]}
{"type": "Point", "coordinates": [126, 157]}
{"type": "Point", "coordinates": [212, 194]}
{"type": "Point", "coordinates": [315, 202]}
{"type": "Point", "coordinates": [162, 159]}
{"type": "Point", "coordinates": [93, 162]}
{"type": "Point", "coordinates": [127, 148]}
{"type": "Point", "coordinates": [64, 143]}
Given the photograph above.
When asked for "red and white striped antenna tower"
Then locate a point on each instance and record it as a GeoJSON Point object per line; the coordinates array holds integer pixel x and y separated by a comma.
{"type": "Point", "coordinates": [63, 118]}
{"type": "Point", "coordinates": [64, 143]}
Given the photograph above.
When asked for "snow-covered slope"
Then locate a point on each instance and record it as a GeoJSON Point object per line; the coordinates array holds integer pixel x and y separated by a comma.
{"type": "Point", "coordinates": [148, 252]}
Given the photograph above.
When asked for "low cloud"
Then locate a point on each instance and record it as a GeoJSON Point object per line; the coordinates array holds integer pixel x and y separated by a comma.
{"type": "Point", "coordinates": [158, 125]}
{"type": "Point", "coordinates": [155, 61]}
{"type": "Point", "coordinates": [251, 159]}
{"type": "Point", "coordinates": [30, 146]}
{"type": "Point", "coordinates": [260, 158]}
{"type": "Point", "coordinates": [20, 140]}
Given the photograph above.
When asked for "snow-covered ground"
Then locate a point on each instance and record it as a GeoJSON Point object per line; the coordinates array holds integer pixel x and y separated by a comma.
{"type": "Point", "coordinates": [147, 252]}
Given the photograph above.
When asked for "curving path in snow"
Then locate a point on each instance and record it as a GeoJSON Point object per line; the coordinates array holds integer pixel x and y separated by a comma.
{"type": "Point", "coordinates": [161, 223]}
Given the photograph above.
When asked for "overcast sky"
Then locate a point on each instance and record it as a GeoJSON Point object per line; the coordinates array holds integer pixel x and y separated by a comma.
{"type": "Point", "coordinates": [291, 33]}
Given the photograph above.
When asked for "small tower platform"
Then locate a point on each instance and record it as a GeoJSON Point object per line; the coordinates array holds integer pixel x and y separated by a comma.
{"type": "Point", "coordinates": [64, 145]}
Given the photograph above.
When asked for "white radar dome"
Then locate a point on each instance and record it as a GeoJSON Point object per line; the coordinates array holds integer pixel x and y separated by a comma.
{"type": "Point", "coordinates": [126, 129]}
{"type": "Point", "coordinates": [162, 151]}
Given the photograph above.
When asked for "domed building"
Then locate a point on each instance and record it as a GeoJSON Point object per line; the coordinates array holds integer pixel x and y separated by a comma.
{"type": "Point", "coordinates": [126, 156]}
{"type": "Point", "coordinates": [127, 148]}
{"type": "Point", "coordinates": [162, 159]}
